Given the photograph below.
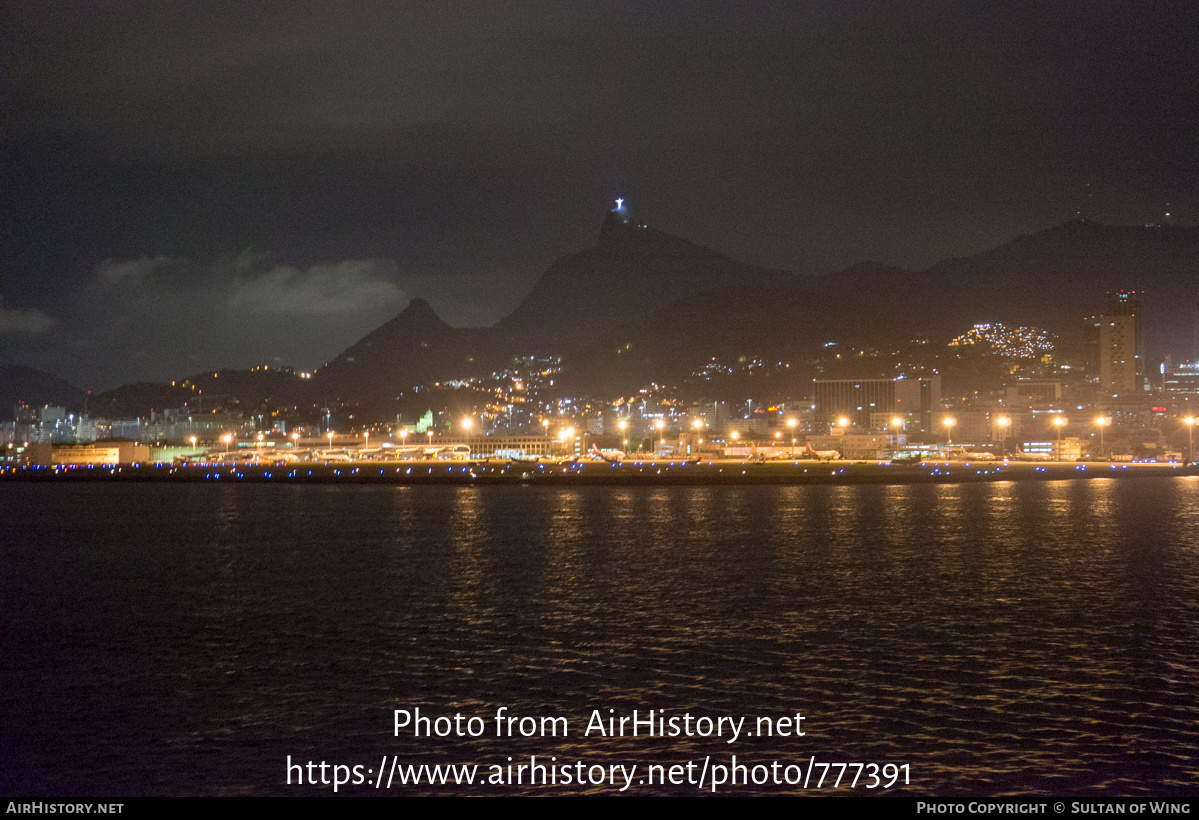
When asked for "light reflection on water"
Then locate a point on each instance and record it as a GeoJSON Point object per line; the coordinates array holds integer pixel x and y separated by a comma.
{"type": "Point", "coordinates": [1000, 638]}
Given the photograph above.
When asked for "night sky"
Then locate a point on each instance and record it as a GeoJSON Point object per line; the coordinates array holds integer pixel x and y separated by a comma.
{"type": "Point", "coordinates": [187, 187]}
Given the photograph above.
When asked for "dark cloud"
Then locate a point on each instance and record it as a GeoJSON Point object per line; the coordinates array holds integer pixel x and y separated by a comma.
{"type": "Point", "coordinates": [469, 145]}
{"type": "Point", "coordinates": [163, 318]}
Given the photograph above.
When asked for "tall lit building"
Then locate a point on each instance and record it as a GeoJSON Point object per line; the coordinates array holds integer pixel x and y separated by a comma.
{"type": "Point", "coordinates": [1117, 341]}
{"type": "Point", "coordinates": [1130, 304]}
{"type": "Point", "coordinates": [1117, 356]}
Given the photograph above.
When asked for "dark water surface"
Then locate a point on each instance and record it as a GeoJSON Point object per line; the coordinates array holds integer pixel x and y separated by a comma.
{"type": "Point", "coordinates": [1010, 638]}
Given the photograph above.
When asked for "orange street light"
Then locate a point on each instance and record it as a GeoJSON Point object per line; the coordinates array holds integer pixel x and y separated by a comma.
{"type": "Point", "coordinates": [1102, 421]}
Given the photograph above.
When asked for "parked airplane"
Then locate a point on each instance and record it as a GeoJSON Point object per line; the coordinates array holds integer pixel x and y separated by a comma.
{"type": "Point", "coordinates": [610, 456]}
{"type": "Point", "coordinates": [823, 455]}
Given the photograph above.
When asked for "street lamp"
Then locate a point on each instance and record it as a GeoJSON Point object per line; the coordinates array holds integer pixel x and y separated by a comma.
{"type": "Point", "coordinates": [1189, 421]}
{"type": "Point", "coordinates": [227, 438]}
{"type": "Point", "coordinates": [897, 423]}
{"type": "Point", "coordinates": [1004, 422]}
{"type": "Point", "coordinates": [661, 425]}
{"type": "Point", "coordinates": [791, 423]}
{"type": "Point", "coordinates": [330, 435]}
{"type": "Point", "coordinates": [193, 441]}
{"type": "Point", "coordinates": [1059, 422]}
{"type": "Point", "coordinates": [623, 425]}
{"type": "Point", "coordinates": [1102, 421]}
{"type": "Point", "coordinates": [949, 421]}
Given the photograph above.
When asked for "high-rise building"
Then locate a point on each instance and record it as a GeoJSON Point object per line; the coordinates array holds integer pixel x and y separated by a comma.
{"type": "Point", "coordinates": [1117, 356]}
{"type": "Point", "coordinates": [1117, 346]}
{"type": "Point", "coordinates": [1130, 304]}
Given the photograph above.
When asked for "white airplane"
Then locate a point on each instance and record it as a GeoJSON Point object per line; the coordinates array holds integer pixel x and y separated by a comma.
{"type": "Point", "coordinates": [823, 455]}
{"type": "Point", "coordinates": [1020, 455]}
{"type": "Point", "coordinates": [610, 456]}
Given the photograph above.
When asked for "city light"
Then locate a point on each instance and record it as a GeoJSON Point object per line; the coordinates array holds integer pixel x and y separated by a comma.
{"type": "Point", "coordinates": [1004, 422]}
{"type": "Point", "coordinates": [1011, 342]}
{"type": "Point", "coordinates": [1102, 421]}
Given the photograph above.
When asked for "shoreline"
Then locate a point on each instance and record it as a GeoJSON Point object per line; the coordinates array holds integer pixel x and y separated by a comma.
{"type": "Point", "coordinates": [659, 472]}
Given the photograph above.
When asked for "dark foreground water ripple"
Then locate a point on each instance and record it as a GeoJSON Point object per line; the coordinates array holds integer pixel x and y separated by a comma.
{"type": "Point", "coordinates": [1011, 638]}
